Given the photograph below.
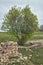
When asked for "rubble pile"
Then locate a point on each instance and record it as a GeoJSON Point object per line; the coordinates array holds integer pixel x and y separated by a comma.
{"type": "Point", "coordinates": [8, 49]}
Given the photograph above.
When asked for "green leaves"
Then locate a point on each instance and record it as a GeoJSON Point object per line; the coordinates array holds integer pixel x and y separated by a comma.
{"type": "Point", "coordinates": [22, 21]}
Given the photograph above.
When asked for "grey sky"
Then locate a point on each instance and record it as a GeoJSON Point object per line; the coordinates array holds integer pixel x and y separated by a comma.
{"type": "Point", "coordinates": [35, 5]}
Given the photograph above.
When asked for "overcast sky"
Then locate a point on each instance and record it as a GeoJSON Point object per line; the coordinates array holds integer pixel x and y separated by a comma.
{"type": "Point", "coordinates": [35, 5]}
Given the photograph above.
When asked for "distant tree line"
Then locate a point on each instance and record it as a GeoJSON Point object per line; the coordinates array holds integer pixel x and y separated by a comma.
{"type": "Point", "coordinates": [40, 28]}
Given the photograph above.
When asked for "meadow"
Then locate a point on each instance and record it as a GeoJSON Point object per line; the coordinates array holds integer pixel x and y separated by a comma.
{"type": "Point", "coordinates": [36, 55]}
{"type": "Point", "coordinates": [5, 36]}
{"type": "Point", "coordinates": [35, 52]}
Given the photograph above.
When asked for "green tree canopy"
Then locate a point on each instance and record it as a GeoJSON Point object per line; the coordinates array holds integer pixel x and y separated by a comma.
{"type": "Point", "coordinates": [41, 28]}
{"type": "Point", "coordinates": [22, 22]}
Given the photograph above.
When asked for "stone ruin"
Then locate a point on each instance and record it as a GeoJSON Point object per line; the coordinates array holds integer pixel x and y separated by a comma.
{"type": "Point", "coordinates": [8, 49]}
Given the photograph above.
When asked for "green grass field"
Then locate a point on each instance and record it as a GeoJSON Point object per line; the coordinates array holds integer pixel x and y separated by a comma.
{"type": "Point", "coordinates": [5, 36]}
{"type": "Point", "coordinates": [36, 58]}
{"type": "Point", "coordinates": [37, 36]}
{"type": "Point", "coordinates": [37, 55]}
{"type": "Point", "coordinates": [38, 33]}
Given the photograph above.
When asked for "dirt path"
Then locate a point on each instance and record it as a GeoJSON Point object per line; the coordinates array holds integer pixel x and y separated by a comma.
{"type": "Point", "coordinates": [37, 43]}
{"type": "Point", "coordinates": [28, 46]}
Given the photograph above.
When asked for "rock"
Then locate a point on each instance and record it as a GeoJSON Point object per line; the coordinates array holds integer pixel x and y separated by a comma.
{"type": "Point", "coordinates": [18, 60]}
{"type": "Point", "coordinates": [21, 58]}
{"type": "Point", "coordinates": [1, 60]}
{"type": "Point", "coordinates": [25, 58]}
{"type": "Point", "coordinates": [26, 49]}
{"type": "Point", "coordinates": [30, 56]}
{"type": "Point", "coordinates": [8, 48]}
{"type": "Point", "coordinates": [30, 50]}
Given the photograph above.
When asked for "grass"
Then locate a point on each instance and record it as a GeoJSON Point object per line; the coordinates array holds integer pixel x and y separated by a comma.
{"type": "Point", "coordinates": [4, 36]}
{"type": "Point", "coordinates": [38, 33]}
{"type": "Point", "coordinates": [36, 58]}
{"type": "Point", "coordinates": [37, 55]}
{"type": "Point", "coordinates": [37, 36]}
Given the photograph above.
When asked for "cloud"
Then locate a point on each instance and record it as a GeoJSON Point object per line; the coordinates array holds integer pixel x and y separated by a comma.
{"type": "Point", "coordinates": [36, 7]}
{"type": "Point", "coordinates": [5, 5]}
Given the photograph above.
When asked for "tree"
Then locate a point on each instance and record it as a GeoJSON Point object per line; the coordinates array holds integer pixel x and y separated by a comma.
{"type": "Point", "coordinates": [41, 28]}
{"type": "Point", "coordinates": [22, 22]}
